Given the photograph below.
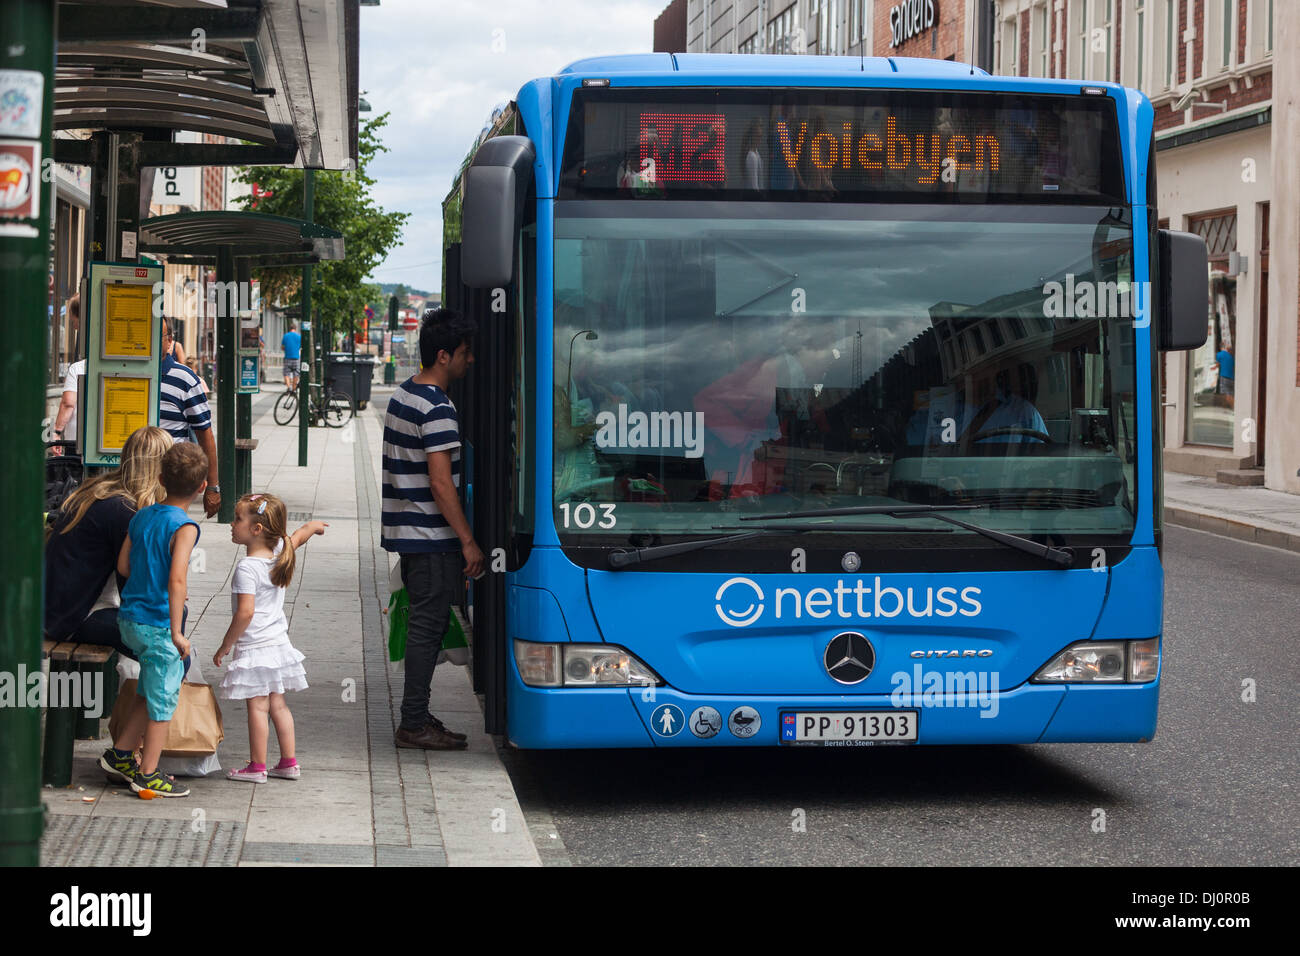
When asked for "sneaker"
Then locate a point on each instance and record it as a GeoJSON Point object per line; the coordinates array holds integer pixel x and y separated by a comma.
{"type": "Point", "coordinates": [118, 769]}
{"type": "Point", "coordinates": [285, 773]}
{"type": "Point", "coordinates": [428, 737]}
{"type": "Point", "coordinates": [435, 722]}
{"type": "Point", "coordinates": [158, 784]}
{"type": "Point", "coordinates": [243, 773]}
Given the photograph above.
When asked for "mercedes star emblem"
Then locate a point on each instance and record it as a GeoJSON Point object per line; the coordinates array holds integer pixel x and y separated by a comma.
{"type": "Point", "coordinates": [849, 658]}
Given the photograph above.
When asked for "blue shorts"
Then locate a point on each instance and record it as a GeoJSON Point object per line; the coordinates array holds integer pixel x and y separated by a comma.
{"type": "Point", "coordinates": [161, 669]}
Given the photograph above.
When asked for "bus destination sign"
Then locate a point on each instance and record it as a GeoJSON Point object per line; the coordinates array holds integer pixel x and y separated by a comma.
{"type": "Point", "coordinates": [847, 146]}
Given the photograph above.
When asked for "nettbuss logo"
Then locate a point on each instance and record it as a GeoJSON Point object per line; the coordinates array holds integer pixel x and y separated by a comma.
{"type": "Point", "coordinates": [741, 601]}
{"type": "Point", "coordinates": [683, 430]}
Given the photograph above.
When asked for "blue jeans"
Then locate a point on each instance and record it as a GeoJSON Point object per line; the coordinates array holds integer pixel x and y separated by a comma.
{"type": "Point", "coordinates": [431, 580]}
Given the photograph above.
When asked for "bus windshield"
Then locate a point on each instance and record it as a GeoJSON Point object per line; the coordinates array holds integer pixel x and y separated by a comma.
{"type": "Point", "coordinates": [715, 360]}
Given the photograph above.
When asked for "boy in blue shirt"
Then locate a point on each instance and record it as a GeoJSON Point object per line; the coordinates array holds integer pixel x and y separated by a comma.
{"type": "Point", "coordinates": [155, 561]}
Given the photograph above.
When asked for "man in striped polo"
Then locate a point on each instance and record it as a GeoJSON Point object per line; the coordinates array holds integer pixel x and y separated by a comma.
{"type": "Point", "coordinates": [422, 518]}
{"type": "Point", "coordinates": [182, 407]}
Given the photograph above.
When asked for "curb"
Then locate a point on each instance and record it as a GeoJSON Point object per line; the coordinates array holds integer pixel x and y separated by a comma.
{"type": "Point", "coordinates": [1240, 530]}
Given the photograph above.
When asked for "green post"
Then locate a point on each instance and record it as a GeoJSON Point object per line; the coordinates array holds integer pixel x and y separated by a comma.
{"type": "Point", "coordinates": [305, 354]}
{"type": "Point", "coordinates": [243, 403]}
{"type": "Point", "coordinates": [390, 370]}
{"type": "Point", "coordinates": [28, 49]}
{"type": "Point", "coordinates": [227, 380]}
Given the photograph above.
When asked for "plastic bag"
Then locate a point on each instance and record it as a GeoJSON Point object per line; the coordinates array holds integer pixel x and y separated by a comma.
{"type": "Point", "coordinates": [455, 648]}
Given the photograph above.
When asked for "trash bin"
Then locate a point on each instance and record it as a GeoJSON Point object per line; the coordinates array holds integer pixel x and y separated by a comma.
{"type": "Point", "coordinates": [339, 374]}
{"type": "Point", "coordinates": [390, 372]}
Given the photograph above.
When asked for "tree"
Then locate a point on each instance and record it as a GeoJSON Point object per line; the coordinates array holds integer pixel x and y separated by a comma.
{"type": "Point", "coordinates": [342, 201]}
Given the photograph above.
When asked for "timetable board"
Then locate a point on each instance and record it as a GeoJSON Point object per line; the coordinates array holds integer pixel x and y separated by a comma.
{"type": "Point", "coordinates": [122, 321]}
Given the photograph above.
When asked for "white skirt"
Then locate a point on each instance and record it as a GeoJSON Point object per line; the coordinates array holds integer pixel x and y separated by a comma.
{"type": "Point", "coordinates": [256, 672]}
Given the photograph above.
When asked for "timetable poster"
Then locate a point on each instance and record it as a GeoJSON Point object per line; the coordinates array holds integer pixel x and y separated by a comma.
{"type": "Point", "coordinates": [123, 407]}
{"type": "Point", "coordinates": [128, 321]}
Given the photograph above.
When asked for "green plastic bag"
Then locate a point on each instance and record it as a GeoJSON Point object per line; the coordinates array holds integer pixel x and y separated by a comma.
{"type": "Point", "coordinates": [399, 612]}
{"type": "Point", "coordinates": [455, 648]}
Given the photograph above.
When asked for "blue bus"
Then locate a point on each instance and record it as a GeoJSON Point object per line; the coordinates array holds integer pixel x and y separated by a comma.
{"type": "Point", "coordinates": [815, 404]}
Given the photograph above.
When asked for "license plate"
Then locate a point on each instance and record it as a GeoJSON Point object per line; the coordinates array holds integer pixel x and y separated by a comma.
{"type": "Point", "coordinates": [840, 728]}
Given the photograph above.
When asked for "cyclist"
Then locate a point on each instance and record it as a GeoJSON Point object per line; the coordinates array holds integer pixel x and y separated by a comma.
{"type": "Point", "coordinates": [292, 345]}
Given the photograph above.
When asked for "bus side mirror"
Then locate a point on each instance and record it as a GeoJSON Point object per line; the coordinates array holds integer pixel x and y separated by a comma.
{"type": "Point", "coordinates": [495, 187]}
{"type": "Point", "coordinates": [1184, 290]}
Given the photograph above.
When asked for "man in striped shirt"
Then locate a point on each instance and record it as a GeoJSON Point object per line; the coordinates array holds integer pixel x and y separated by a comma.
{"type": "Point", "coordinates": [422, 518]}
{"type": "Point", "coordinates": [182, 407]}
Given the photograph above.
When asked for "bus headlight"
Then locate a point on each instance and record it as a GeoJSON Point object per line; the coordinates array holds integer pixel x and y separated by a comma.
{"type": "Point", "coordinates": [1105, 662]}
{"type": "Point", "coordinates": [581, 665]}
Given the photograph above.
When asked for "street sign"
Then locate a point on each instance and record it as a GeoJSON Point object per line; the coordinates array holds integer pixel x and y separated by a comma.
{"type": "Point", "coordinates": [249, 379]}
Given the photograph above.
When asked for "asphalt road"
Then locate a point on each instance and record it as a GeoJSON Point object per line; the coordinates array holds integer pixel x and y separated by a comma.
{"type": "Point", "coordinates": [1218, 785]}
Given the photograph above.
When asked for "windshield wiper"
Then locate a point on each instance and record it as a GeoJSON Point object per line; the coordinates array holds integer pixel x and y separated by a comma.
{"type": "Point", "coordinates": [1058, 556]}
{"type": "Point", "coordinates": [621, 559]}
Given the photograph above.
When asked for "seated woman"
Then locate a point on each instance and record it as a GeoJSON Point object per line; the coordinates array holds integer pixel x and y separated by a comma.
{"type": "Point", "coordinates": [81, 585]}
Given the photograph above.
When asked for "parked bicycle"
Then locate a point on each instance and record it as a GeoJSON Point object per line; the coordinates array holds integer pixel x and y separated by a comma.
{"type": "Point", "coordinates": [335, 408]}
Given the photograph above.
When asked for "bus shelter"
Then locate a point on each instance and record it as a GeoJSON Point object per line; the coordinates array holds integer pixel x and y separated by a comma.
{"type": "Point", "coordinates": [259, 82]}
{"type": "Point", "coordinates": [235, 243]}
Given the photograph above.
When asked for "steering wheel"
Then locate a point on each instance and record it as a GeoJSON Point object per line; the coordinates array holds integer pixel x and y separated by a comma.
{"type": "Point", "coordinates": [1013, 430]}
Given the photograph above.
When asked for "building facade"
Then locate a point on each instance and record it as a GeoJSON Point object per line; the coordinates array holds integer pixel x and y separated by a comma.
{"type": "Point", "coordinates": [1231, 408]}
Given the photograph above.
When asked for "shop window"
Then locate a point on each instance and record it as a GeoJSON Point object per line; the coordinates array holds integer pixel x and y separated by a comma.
{"type": "Point", "coordinates": [1211, 369]}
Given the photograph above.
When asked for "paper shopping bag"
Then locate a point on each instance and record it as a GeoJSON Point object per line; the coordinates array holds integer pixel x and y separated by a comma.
{"type": "Point", "coordinates": [196, 728]}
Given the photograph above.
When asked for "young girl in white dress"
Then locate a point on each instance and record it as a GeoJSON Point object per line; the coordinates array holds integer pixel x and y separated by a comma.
{"type": "Point", "coordinates": [265, 664]}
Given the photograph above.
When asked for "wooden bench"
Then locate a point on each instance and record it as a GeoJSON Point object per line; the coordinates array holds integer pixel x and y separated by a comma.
{"type": "Point", "coordinates": [63, 721]}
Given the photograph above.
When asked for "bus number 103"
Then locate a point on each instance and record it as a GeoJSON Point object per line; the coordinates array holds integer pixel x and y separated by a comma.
{"type": "Point", "coordinates": [584, 515]}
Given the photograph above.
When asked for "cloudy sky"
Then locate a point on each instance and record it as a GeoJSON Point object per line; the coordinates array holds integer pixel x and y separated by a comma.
{"type": "Point", "coordinates": [439, 66]}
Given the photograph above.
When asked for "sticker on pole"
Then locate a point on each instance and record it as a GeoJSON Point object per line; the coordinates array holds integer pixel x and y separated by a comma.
{"type": "Point", "coordinates": [21, 101]}
{"type": "Point", "coordinates": [20, 185]}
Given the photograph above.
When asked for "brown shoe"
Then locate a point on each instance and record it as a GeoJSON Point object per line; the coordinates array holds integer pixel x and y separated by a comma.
{"type": "Point", "coordinates": [428, 737]}
{"type": "Point", "coordinates": [435, 722]}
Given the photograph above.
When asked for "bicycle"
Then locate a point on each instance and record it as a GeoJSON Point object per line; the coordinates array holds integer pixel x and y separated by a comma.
{"type": "Point", "coordinates": [335, 408]}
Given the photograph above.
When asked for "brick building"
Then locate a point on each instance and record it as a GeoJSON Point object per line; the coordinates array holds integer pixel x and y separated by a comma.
{"type": "Point", "coordinates": [1207, 67]}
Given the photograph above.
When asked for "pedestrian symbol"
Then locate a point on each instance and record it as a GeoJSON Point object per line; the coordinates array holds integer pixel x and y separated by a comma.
{"type": "Point", "coordinates": [667, 720]}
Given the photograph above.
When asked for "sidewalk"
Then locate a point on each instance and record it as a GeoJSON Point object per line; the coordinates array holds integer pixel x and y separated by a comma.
{"type": "Point", "coordinates": [360, 800]}
{"type": "Point", "coordinates": [1251, 514]}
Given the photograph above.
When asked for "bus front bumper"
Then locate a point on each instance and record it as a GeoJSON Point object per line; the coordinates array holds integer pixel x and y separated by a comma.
{"type": "Point", "coordinates": [575, 718]}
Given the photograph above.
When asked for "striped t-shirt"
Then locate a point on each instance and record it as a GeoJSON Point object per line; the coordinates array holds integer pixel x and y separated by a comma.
{"type": "Point", "coordinates": [420, 419]}
{"type": "Point", "coordinates": [182, 402]}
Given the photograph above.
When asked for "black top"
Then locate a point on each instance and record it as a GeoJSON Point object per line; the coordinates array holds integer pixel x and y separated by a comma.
{"type": "Point", "coordinates": [77, 564]}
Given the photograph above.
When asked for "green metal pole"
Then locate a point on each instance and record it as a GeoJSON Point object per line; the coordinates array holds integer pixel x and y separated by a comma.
{"type": "Point", "coordinates": [28, 47]}
{"type": "Point", "coordinates": [305, 354]}
{"type": "Point", "coordinates": [243, 403]}
{"type": "Point", "coordinates": [227, 373]}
